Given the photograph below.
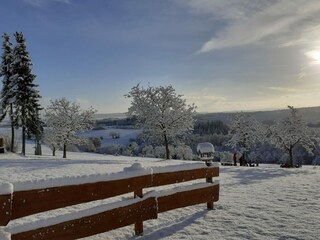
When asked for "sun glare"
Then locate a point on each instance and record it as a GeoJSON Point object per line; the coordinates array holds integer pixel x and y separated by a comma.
{"type": "Point", "coordinates": [314, 55]}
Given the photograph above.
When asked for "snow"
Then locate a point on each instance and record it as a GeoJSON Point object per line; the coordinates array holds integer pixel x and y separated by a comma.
{"type": "Point", "coordinates": [125, 135]}
{"type": "Point", "coordinates": [181, 167]}
{"type": "Point", "coordinates": [4, 235]}
{"type": "Point", "coordinates": [265, 202]}
{"type": "Point", "coordinates": [52, 220]}
{"type": "Point", "coordinates": [205, 147]}
{"type": "Point", "coordinates": [171, 191]}
{"type": "Point", "coordinates": [5, 188]}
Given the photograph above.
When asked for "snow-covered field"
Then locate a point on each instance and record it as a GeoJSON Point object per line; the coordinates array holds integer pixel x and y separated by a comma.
{"type": "Point", "coordinates": [265, 202]}
{"type": "Point", "coordinates": [125, 135]}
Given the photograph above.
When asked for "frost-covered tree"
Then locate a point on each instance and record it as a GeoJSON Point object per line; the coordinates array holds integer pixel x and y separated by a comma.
{"type": "Point", "coordinates": [287, 133]}
{"type": "Point", "coordinates": [246, 133]}
{"type": "Point", "coordinates": [52, 139]}
{"type": "Point", "coordinates": [66, 120]}
{"type": "Point", "coordinates": [7, 87]}
{"type": "Point", "coordinates": [25, 94]}
{"type": "Point", "coordinates": [162, 113]}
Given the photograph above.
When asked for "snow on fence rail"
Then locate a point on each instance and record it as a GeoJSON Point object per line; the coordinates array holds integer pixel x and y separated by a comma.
{"type": "Point", "coordinates": [31, 200]}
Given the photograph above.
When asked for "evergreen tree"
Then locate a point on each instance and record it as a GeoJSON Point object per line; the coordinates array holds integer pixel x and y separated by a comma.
{"type": "Point", "coordinates": [7, 95]}
{"type": "Point", "coordinates": [26, 95]}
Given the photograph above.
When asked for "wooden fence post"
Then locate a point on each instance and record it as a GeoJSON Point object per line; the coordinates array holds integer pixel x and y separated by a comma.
{"type": "Point", "coordinates": [209, 204]}
{"type": "Point", "coordinates": [138, 227]}
{"type": "Point", "coordinates": [5, 209]}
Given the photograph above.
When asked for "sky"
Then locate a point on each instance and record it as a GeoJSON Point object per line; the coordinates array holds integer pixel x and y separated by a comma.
{"type": "Point", "coordinates": [222, 55]}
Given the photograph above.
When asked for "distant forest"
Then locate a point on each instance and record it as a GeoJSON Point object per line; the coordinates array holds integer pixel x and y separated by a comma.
{"type": "Point", "coordinates": [311, 115]}
{"type": "Point", "coordinates": [209, 123]}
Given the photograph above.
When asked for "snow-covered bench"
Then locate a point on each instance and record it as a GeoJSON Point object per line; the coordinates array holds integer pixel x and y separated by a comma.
{"type": "Point", "coordinates": [30, 198]}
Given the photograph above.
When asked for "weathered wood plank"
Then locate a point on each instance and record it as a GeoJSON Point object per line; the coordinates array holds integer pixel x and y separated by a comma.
{"type": "Point", "coordinates": [188, 198]}
{"type": "Point", "coordinates": [95, 224]}
{"type": "Point", "coordinates": [34, 201]}
{"type": "Point", "coordinates": [5, 209]}
{"type": "Point", "coordinates": [160, 179]}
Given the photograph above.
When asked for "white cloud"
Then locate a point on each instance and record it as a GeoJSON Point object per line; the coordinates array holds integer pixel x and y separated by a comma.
{"type": "Point", "coordinates": [283, 89]}
{"type": "Point", "coordinates": [251, 22]}
{"type": "Point", "coordinates": [39, 3]}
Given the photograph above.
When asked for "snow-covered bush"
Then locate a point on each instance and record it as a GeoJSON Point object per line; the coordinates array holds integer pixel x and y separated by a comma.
{"type": "Point", "coordinates": [92, 145]}
{"type": "Point", "coordinates": [159, 151]}
{"type": "Point", "coordinates": [133, 148]}
{"type": "Point", "coordinates": [111, 149]}
{"type": "Point", "coordinates": [148, 151]}
{"type": "Point", "coordinates": [183, 153]}
{"type": "Point", "coordinates": [72, 148]}
{"type": "Point", "coordinates": [7, 144]}
{"type": "Point", "coordinates": [114, 135]}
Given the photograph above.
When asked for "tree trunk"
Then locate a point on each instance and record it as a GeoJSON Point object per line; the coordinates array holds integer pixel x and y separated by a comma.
{"type": "Point", "coordinates": [38, 150]}
{"type": "Point", "coordinates": [64, 150]}
{"type": "Point", "coordinates": [290, 163]}
{"type": "Point", "coordinates": [23, 152]}
{"type": "Point", "coordinates": [53, 151]}
{"type": "Point", "coordinates": [12, 129]}
{"type": "Point", "coordinates": [166, 143]}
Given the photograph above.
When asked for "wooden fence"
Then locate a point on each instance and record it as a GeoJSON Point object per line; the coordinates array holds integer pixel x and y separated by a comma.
{"type": "Point", "coordinates": [141, 208]}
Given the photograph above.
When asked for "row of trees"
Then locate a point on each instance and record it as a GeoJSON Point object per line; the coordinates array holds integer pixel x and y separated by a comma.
{"type": "Point", "coordinates": [20, 102]}
{"type": "Point", "coordinates": [19, 95]}
{"type": "Point", "coordinates": [286, 134]}
{"type": "Point", "coordinates": [166, 119]}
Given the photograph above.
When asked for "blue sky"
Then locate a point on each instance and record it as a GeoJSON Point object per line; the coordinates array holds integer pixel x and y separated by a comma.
{"type": "Point", "coordinates": [222, 55]}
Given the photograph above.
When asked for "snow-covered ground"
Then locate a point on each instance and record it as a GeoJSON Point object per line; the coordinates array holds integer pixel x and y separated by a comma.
{"type": "Point", "coordinates": [125, 135]}
{"type": "Point", "coordinates": [265, 202]}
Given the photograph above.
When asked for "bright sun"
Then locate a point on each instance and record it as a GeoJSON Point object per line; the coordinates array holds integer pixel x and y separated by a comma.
{"type": "Point", "coordinates": [314, 55]}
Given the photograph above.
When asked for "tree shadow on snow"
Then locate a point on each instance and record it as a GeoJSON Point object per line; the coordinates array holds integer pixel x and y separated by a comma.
{"type": "Point", "coordinates": [178, 225]}
{"type": "Point", "coordinates": [250, 175]}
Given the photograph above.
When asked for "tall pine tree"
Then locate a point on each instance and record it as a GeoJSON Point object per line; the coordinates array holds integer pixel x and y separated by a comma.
{"type": "Point", "coordinates": [26, 95]}
{"type": "Point", "coordinates": [7, 94]}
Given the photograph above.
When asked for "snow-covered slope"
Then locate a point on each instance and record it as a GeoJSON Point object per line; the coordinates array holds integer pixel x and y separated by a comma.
{"type": "Point", "coordinates": [265, 202]}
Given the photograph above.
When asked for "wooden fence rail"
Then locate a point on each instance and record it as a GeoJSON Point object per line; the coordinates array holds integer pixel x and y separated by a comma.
{"type": "Point", "coordinates": [25, 203]}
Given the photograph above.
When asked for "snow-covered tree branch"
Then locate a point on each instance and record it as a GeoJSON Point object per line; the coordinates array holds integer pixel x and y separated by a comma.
{"type": "Point", "coordinates": [161, 112]}
{"type": "Point", "coordinates": [291, 131]}
{"type": "Point", "coordinates": [246, 132]}
{"type": "Point", "coordinates": [65, 120]}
